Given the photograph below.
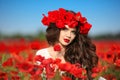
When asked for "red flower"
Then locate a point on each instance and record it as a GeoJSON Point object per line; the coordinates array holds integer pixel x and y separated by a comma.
{"type": "Point", "coordinates": [30, 57]}
{"type": "Point", "coordinates": [72, 24]}
{"type": "Point", "coordinates": [35, 45]}
{"type": "Point", "coordinates": [49, 67]}
{"type": "Point", "coordinates": [50, 71]}
{"type": "Point", "coordinates": [3, 76]}
{"type": "Point", "coordinates": [94, 75]}
{"type": "Point", "coordinates": [45, 20]}
{"type": "Point", "coordinates": [62, 17]}
{"type": "Point", "coordinates": [37, 70]}
{"type": "Point", "coordinates": [65, 66]}
{"type": "Point", "coordinates": [60, 24]}
{"type": "Point", "coordinates": [117, 62]}
{"type": "Point", "coordinates": [47, 61]}
{"type": "Point", "coordinates": [95, 70]}
{"type": "Point", "coordinates": [83, 20]}
{"type": "Point", "coordinates": [15, 78]}
{"type": "Point", "coordinates": [85, 28]}
{"type": "Point", "coordinates": [110, 56]}
{"type": "Point", "coordinates": [77, 72]}
{"type": "Point", "coordinates": [57, 61]}
{"type": "Point", "coordinates": [25, 67]}
{"type": "Point", "coordinates": [9, 62]}
{"type": "Point", "coordinates": [2, 46]}
{"type": "Point", "coordinates": [118, 54]}
{"type": "Point", "coordinates": [66, 78]}
{"type": "Point", "coordinates": [68, 17]}
{"type": "Point", "coordinates": [53, 16]}
{"type": "Point", "coordinates": [57, 47]}
{"type": "Point", "coordinates": [78, 16]}
{"type": "Point", "coordinates": [109, 77]}
{"type": "Point", "coordinates": [38, 58]}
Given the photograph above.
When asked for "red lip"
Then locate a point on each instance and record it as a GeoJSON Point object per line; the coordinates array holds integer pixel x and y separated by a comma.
{"type": "Point", "coordinates": [67, 40]}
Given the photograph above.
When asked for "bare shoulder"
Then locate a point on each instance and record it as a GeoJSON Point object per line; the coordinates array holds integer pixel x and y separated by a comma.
{"type": "Point", "coordinates": [41, 51]}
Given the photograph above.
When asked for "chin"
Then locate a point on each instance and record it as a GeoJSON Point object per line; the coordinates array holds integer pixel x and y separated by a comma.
{"type": "Point", "coordinates": [65, 44]}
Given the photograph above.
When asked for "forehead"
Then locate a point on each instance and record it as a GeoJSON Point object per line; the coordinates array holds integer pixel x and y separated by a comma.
{"type": "Point", "coordinates": [72, 29]}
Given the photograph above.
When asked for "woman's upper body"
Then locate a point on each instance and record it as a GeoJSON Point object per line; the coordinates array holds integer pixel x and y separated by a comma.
{"type": "Point", "coordinates": [69, 31]}
{"type": "Point", "coordinates": [66, 36]}
{"type": "Point", "coordinates": [44, 53]}
{"type": "Point", "coordinates": [48, 53]}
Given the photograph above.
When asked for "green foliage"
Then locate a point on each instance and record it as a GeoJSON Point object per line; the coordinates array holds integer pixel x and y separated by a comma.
{"type": "Point", "coordinates": [107, 36]}
{"type": "Point", "coordinates": [39, 36]}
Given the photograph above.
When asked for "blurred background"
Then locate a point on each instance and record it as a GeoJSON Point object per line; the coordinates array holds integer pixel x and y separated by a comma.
{"type": "Point", "coordinates": [22, 34]}
{"type": "Point", "coordinates": [22, 18]}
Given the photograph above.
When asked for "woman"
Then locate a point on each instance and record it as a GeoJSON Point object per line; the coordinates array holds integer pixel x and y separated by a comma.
{"type": "Point", "coordinates": [67, 38]}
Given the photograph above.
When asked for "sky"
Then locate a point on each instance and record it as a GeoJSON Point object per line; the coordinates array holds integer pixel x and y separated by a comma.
{"type": "Point", "coordinates": [24, 16]}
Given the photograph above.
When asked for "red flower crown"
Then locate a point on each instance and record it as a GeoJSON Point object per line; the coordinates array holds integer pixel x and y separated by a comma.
{"type": "Point", "coordinates": [62, 17]}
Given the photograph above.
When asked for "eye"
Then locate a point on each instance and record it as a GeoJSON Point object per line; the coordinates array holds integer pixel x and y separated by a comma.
{"type": "Point", "coordinates": [74, 32]}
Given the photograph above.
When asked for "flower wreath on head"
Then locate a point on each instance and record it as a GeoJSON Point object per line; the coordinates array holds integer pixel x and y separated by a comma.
{"type": "Point", "coordinates": [63, 17]}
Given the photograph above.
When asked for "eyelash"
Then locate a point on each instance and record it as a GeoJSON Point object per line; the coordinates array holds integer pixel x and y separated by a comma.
{"type": "Point", "coordinates": [73, 32]}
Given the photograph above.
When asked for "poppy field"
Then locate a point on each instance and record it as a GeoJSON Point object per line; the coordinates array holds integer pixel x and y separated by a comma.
{"type": "Point", "coordinates": [18, 61]}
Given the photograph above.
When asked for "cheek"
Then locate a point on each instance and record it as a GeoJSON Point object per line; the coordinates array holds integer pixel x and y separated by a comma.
{"type": "Point", "coordinates": [61, 34]}
{"type": "Point", "coordinates": [73, 37]}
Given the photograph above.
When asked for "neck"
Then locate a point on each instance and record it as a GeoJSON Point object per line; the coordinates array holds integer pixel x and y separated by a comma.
{"type": "Point", "coordinates": [56, 54]}
{"type": "Point", "coordinates": [62, 49]}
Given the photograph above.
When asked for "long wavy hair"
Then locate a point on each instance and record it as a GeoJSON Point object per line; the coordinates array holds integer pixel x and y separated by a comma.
{"type": "Point", "coordinates": [80, 50]}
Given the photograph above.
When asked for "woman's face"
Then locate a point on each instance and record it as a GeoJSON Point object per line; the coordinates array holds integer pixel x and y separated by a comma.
{"type": "Point", "coordinates": [67, 35]}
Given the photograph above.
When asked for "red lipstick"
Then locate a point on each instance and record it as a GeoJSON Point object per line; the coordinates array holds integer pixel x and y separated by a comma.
{"type": "Point", "coordinates": [67, 40]}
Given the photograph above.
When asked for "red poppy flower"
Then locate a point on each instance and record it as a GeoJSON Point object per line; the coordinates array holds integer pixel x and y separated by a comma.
{"type": "Point", "coordinates": [72, 24]}
{"type": "Point", "coordinates": [3, 76]}
{"type": "Point", "coordinates": [50, 71]}
{"type": "Point", "coordinates": [62, 17]}
{"type": "Point", "coordinates": [25, 67]}
{"type": "Point", "coordinates": [15, 77]}
{"type": "Point", "coordinates": [45, 20]}
{"type": "Point", "coordinates": [53, 16]}
{"type": "Point", "coordinates": [37, 70]}
{"type": "Point", "coordinates": [94, 75]}
{"type": "Point", "coordinates": [57, 61]}
{"type": "Point", "coordinates": [35, 45]}
{"type": "Point", "coordinates": [118, 54]}
{"type": "Point", "coordinates": [109, 57]}
{"type": "Point", "coordinates": [66, 78]}
{"type": "Point", "coordinates": [47, 61]}
{"type": "Point", "coordinates": [85, 28]}
{"type": "Point", "coordinates": [57, 47]}
{"type": "Point", "coordinates": [38, 58]}
{"type": "Point", "coordinates": [60, 24]}
{"type": "Point", "coordinates": [9, 62]}
{"type": "Point", "coordinates": [117, 62]}
{"type": "Point", "coordinates": [78, 16]}
{"type": "Point", "coordinates": [95, 70]}
{"type": "Point", "coordinates": [110, 77]}
{"type": "Point", "coordinates": [83, 20]}
{"type": "Point", "coordinates": [65, 67]}
{"type": "Point", "coordinates": [77, 72]}
{"type": "Point", "coordinates": [2, 46]}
